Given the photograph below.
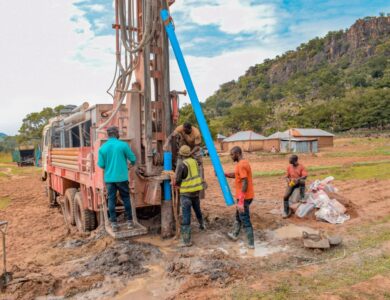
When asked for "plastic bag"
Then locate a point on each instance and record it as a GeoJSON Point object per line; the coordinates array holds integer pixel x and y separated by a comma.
{"type": "Point", "coordinates": [304, 209]}
{"type": "Point", "coordinates": [338, 206]}
{"type": "Point", "coordinates": [330, 189]}
{"type": "Point", "coordinates": [320, 199]}
{"type": "Point", "coordinates": [330, 214]}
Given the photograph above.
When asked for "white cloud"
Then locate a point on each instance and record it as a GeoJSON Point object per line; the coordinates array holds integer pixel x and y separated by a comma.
{"type": "Point", "coordinates": [234, 16]}
{"type": "Point", "coordinates": [48, 63]}
{"type": "Point", "coordinates": [208, 73]}
{"type": "Point", "coordinates": [37, 62]}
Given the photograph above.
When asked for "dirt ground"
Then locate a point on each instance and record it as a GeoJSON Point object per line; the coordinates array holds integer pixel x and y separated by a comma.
{"type": "Point", "coordinates": [48, 261]}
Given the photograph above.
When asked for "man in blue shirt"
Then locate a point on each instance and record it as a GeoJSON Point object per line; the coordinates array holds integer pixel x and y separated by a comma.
{"type": "Point", "coordinates": [113, 157]}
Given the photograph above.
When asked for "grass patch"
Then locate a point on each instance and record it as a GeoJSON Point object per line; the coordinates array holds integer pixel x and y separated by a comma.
{"type": "Point", "coordinates": [335, 278]}
{"type": "Point", "coordinates": [5, 157]}
{"type": "Point", "coordinates": [4, 202]}
{"type": "Point", "coordinates": [269, 173]}
{"type": "Point", "coordinates": [358, 170]}
{"type": "Point", "coordinates": [368, 171]}
{"type": "Point", "coordinates": [370, 153]}
{"type": "Point", "coordinates": [7, 170]}
{"type": "Point", "coordinates": [362, 141]}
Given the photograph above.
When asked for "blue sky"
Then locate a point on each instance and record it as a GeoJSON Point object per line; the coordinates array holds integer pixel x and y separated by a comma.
{"type": "Point", "coordinates": [285, 22]}
{"type": "Point", "coordinates": [65, 48]}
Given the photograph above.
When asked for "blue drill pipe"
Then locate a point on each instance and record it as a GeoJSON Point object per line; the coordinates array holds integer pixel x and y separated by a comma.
{"type": "Point", "coordinates": [196, 107]}
{"type": "Point", "coordinates": [167, 167]}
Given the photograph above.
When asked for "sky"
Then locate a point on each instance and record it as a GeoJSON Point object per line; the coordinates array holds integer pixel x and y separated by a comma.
{"type": "Point", "coordinates": [62, 51]}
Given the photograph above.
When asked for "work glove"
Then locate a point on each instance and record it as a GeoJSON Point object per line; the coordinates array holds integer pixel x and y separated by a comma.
{"type": "Point", "coordinates": [241, 199]}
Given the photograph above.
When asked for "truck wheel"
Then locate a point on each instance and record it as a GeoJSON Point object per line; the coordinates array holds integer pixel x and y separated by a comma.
{"type": "Point", "coordinates": [69, 205]}
{"type": "Point", "coordinates": [85, 218]}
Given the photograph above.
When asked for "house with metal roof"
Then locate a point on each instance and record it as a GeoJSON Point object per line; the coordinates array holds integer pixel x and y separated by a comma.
{"type": "Point", "coordinates": [220, 137]}
{"type": "Point", "coordinates": [247, 140]}
{"type": "Point", "coordinates": [325, 139]}
{"type": "Point", "coordinates": [301, 139]}
{"type": "Point", "coordinates": [272, 142]}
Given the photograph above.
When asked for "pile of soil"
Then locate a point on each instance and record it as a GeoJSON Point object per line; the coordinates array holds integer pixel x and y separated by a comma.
{"type": "Point", "coordinates": [122, 258]}
{"type": "Point", "coordinates": [217, 267]}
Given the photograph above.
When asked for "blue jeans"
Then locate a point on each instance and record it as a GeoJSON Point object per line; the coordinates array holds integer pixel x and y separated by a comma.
{"type": "Point", "coordinates": [123, 188]}
{"type": "Point", "coordinates": [186, 204]}
{"type": "Point", "coordinates": [244, 218]}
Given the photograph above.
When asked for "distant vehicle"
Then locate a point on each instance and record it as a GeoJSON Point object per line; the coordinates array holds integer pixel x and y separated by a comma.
{"type": "Point", "coordinates": [25, 155]}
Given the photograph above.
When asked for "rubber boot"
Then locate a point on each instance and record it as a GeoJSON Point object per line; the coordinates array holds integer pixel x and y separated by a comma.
{"type": "Point", "coordinates": [235, 232]}
{"type": "Point", "coordinates": [250, 237]}
{"type": "Point", "coordinates": [185, 233]}
{"type": "Point", "coordinates": [286, 211]}
{"type": "Point", "coordinates": [202, 225]}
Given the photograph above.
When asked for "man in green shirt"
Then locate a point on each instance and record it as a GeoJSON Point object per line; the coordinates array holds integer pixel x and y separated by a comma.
{"type": "Point", "coordinates": [113, 157]}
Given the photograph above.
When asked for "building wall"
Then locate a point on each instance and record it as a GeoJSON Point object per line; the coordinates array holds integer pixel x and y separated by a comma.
{"type": "Point", "coordinates": [247, 146]}
{"type": "Point", "coordinates": [299, 146]}
{"type": "Point", "coordinates": [323, 141]}
{"type": "Point", "coordinates": [269, 143]}
{"type": "Point", "coordinates": [218, 146]}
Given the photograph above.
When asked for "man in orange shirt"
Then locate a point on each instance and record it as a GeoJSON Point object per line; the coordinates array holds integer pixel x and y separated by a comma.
{"type": "Point", "coordinates": [244, 194]}
{"type": "Point", "coordinates": [296, 178]}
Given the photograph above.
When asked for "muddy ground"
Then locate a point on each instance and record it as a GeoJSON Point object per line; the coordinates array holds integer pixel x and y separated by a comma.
{"type": "Point", "coordinates": [48, 261]}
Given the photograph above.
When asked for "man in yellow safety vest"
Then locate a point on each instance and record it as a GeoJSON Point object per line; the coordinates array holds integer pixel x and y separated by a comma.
{"type": "Point", "coordinates": [189, 182]}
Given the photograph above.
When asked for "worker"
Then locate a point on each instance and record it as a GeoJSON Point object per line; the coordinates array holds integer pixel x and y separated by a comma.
{"type": "Point", "coordinates": [189, 135]}
{"type": "Point", "coordinates": [113, 157]}
{"type": "Point", "coordinates": [189, 182]}
{"type": "Point", "coordinates": [244, 195]}
{"type": "Point", "coordinates": [296, 178]}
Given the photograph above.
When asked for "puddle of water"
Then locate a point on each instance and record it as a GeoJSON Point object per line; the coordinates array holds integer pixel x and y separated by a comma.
{"type": "Point", "coordinates": [263, 249]}
{"type": "Point", "coordinates": [165, 246]}
{"type": "Point", "coordinates": [150, 287]}
{"type": "Point", "coordinates": [292, 231]}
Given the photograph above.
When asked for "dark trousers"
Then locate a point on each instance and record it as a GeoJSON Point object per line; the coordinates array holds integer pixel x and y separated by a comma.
{"type": "Point", "coordinates": [289, 190]}
{"type": "Point", "coordinates": [244, 218]}
{"type": "Point", "coordinates": [123, 188]}
{"type": "Point", "coordinates": [186, 204]}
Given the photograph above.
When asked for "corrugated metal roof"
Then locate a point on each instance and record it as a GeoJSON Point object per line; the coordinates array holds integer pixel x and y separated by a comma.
{"type": "Point", "coordinates": [220, 136]}
{"type": "Point", "coordinates": [245, 136]}
{"type": "Point", "coordinates": [309, 132]}
{"type": "Point", "coordinates": [278, 135]}
{"type": "Point", "coordinates": [294, 139]}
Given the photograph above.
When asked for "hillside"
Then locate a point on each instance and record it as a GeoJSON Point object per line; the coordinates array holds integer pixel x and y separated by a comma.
{"type": "Point", "coordinates": [337, 82]}
{"type": "Point", "coordinates": [2, 136]}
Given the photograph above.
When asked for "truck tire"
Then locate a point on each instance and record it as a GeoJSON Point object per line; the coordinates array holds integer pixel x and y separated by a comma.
{"type": "Point", "coordinates": [85, 218]}
{"type": "Point", "coordinates": [69, 205]}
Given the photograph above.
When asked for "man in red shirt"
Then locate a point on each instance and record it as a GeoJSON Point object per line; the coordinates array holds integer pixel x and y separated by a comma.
{"type": "Point", "coordinates": [244, 194]}
{"type": "Point", "coordinates": [296, 178]}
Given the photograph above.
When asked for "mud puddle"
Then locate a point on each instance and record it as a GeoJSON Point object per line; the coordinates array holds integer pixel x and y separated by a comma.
{"type": "Point", "coordinates": [154, 285]}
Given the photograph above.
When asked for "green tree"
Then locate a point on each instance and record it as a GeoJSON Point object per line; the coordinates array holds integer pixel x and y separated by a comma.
{"type": "Point", "coordinates": [7, 144]}
{"type": "Point", "coordinates": [33, 123]}
{"type": "Point", "coordinates": [246, 117]}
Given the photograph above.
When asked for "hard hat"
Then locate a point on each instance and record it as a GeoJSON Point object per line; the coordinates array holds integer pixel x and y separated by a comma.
{"type": "Point", "coordinates": [185, 151]}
